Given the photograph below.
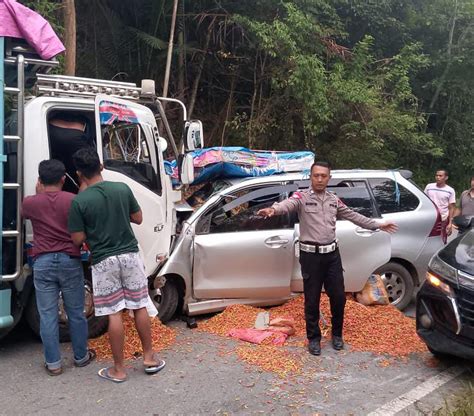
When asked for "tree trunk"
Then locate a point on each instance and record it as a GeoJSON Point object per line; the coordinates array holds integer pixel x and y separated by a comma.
{"type": "Point", "coordinates": [250, 131]}
{"type": "Point", "coordinates": [229, 107]}
{"type": "Point", "coordinates": [170, 50]}
{"type": "Point", "coordinates": [70, 37]}
{"type": "Point", "coordinates": [448, 52]}
{"type": "Point", "coordinates": [192, 100]}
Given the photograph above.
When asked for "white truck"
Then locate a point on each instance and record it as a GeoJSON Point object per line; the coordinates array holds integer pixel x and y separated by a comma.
{"type": "Point", "coordinates": [125, 124]}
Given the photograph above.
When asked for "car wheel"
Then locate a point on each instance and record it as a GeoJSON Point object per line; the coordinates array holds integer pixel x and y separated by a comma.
{"type": "Point", "coordinates": [97, 325]}
{"type": "Point", "coordinates": [398, 282]}
{"type": "Point", "coordinates": [166, 300]}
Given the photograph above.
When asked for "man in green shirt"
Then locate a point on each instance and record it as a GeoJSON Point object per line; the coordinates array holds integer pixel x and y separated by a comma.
{"type": "Point", "coordinates": [101, 215]}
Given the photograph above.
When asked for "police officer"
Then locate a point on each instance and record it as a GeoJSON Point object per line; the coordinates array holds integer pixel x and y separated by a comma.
{"type": "Point", "coordinates": [320, 260]}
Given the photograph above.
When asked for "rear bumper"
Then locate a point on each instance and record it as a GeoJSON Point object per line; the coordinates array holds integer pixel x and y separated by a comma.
{"type": "Point", "coordinates": [439, 325]}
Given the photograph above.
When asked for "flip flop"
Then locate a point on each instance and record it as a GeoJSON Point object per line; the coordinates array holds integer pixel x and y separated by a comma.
{"type": "Point", "coordinates": [153, 369]}
{"type": "Point", "coordinates": [104, 373]}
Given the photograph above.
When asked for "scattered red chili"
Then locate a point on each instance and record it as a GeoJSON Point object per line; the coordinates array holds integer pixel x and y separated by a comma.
{"type": "Point", "coordinates": [271, 358]}
{"type": "Point", "coordinates": [162, 337]}
{"type": "Point", "coordinates": [376, 329]}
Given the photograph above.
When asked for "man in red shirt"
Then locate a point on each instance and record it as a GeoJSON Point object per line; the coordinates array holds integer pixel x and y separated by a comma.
{"type": "Point", "coordinates": [57, 266]}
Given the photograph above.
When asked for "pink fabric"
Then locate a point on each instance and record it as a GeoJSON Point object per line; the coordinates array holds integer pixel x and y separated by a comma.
{"type": "Point", "coordinates": [18, 21]}
{"type": "Point", "coordinates": [257, 336]}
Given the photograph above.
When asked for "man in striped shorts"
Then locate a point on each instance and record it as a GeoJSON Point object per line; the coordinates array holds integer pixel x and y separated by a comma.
{"type": "Point", "coordinates": [101, 215]}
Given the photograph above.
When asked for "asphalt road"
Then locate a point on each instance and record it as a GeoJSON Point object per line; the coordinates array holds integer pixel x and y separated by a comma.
{"type": "Point", "coordinates": [204, 376]}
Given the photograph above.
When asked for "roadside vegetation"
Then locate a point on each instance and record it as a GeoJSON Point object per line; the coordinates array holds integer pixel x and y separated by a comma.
{"type": "Point", "coordinates": [383, 84]}
{"type": "Point", "coordinates": [462, 405]}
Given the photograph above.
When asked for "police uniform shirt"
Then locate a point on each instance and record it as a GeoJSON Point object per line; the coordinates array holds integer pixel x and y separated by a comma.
{"type": "Point", "coordinates": [318, 213]}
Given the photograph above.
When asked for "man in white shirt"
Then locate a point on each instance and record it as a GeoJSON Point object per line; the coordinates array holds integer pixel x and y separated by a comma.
{"type": "Point", "coordinates": [444, 198]}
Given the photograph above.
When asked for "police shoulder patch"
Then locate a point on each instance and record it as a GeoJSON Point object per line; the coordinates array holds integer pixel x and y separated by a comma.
{"type": "Point", "coordinates": [340, 204]}
{"type": "Point", "coordinates": [296, 195]}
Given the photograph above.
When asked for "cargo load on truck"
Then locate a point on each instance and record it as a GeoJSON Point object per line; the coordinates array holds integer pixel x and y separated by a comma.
{"type": "Point", "coordinates": [215, 163]}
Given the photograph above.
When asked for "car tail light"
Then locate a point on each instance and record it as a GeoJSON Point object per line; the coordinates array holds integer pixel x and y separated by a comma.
{"type": "Point", "coordinates": [438, 225]}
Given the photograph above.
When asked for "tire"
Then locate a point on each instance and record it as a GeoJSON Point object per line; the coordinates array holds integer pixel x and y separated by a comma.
{"type": "Point", "coordinates": [166, 300]}
{"type": "Point", "coordinates": [97, 325]}
{"type": "Point", "coordinates": [398, 282]}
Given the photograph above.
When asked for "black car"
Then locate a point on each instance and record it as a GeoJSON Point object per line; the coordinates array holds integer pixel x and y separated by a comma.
{"type": "Point", "coordinates": [445, 302]}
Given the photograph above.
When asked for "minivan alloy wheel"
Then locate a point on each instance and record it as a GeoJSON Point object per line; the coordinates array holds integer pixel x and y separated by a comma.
{"type": "Point", "coordinates": [395, 286]}
{"type": "Point", "coordinates": [398, 283]}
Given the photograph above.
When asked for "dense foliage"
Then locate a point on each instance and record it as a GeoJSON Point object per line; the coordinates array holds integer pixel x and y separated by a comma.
{"type": "Point", "coordinates": [370, 84]}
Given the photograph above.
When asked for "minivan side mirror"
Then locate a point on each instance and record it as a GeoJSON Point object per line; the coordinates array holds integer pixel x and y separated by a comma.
{"type": "Point", "coordinates": [464, 221]}
{"type": "Point", "coordinates": [186, 169]}
{"type": "Point", "coordinates": [193, 135]}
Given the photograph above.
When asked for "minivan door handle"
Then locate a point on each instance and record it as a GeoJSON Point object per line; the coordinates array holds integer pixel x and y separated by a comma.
{"type": "Point", "coordinates": [158, 227]}
{"type": "Point", "coordinates": [364, 232]}
{"type": "Point", "coordinates": [276, 242]}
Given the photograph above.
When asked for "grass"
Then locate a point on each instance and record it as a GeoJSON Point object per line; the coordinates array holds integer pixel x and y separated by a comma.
{"type": "Point", "coordinates": [462, 405]}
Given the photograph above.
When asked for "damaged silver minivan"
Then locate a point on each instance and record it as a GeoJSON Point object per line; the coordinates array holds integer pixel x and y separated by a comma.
{"type": "Point", "coordinates": [226, 254]}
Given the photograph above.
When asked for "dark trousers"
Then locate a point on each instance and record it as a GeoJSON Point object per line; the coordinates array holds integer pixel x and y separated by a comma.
{"type": "Point", "coordinates": [318, 270]}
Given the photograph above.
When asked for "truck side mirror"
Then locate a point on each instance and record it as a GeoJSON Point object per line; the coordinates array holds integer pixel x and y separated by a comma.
{"type": "Point", "coordinates": [186, 169]}
{"type": "Point", "coordinates": [193, 135]}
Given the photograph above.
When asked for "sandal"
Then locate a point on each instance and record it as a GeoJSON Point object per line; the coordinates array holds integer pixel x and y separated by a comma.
{"type": "Point", "coordinates": [154, 368]}
{"type": "Point", "coordinates": [90, 357]}
{"type": "Point", "coordinates": [105, 374]}
{"type": "Point", "coordinates": [53, 371]}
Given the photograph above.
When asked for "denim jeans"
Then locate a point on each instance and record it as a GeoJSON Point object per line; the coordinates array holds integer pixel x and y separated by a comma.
{"type": "Point", "coordinates": [54, 272]}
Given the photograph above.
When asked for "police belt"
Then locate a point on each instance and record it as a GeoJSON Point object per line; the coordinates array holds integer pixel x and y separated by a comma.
{"type": "Point", "coordinates": [317, 248]}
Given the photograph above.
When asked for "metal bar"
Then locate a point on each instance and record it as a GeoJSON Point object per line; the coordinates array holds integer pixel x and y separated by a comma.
{"type": "Point", "coordinates": [2, 121]}
{"type": "Point", "coordinates": [167, 128]}
{"type": "Point", "coordinates": [32, 61]}
{"type": "Point", "coordinates": [19, 165]}
{"type": "Point", "coordinates": [174, 100]}
{"type": "Point", "coordinates": [9, 277]}
{"type": "Point", "coordinates": [11, 90]}
{"type": "Point", "coordinates": [87, 81]}
{"type": "Point", "coordinates": [17, 234]}
{"type": "Point", "coordinates": [7, 138]}
{"type": "Point", "coordinates": [11, 186]}
{"type": "Point", "coordinates": [10, 233]}
{"type": "Point", "coordinates": [73, 93]}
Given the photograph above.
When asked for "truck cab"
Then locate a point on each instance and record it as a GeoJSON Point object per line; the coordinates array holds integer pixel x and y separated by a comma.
{"type": "Point", "coordinates": [124, 123]}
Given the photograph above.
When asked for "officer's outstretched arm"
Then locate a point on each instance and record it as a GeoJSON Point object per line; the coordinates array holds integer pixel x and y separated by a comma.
{"type": "Point", "coordinates": [389, 227]}
{"type": "Point", "coordinates": [266, 212]}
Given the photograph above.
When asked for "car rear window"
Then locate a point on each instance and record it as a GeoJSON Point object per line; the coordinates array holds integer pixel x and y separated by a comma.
{"type": "Point", "coordinates": [355, 195]}
{"type": "Point", "coordinates": [392, 197]}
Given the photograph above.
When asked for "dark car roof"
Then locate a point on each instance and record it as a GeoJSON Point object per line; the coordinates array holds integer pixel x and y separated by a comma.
{"type": "Point", "coordinates": [459, 253]}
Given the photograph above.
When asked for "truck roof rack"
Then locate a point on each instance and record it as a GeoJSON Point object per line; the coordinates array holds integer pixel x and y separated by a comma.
{"type": "Point", "coordinates": [67, 86]}
{"type": "Point", "coordinates": [33, 64]}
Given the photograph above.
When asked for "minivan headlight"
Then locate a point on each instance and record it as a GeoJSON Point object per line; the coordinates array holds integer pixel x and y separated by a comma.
{"type": "Point", "coordinates": [442, 269]}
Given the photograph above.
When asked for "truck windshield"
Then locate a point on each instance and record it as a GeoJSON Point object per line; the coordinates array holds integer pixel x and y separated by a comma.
{"type": "Point", "coordinates": [125, 150]}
